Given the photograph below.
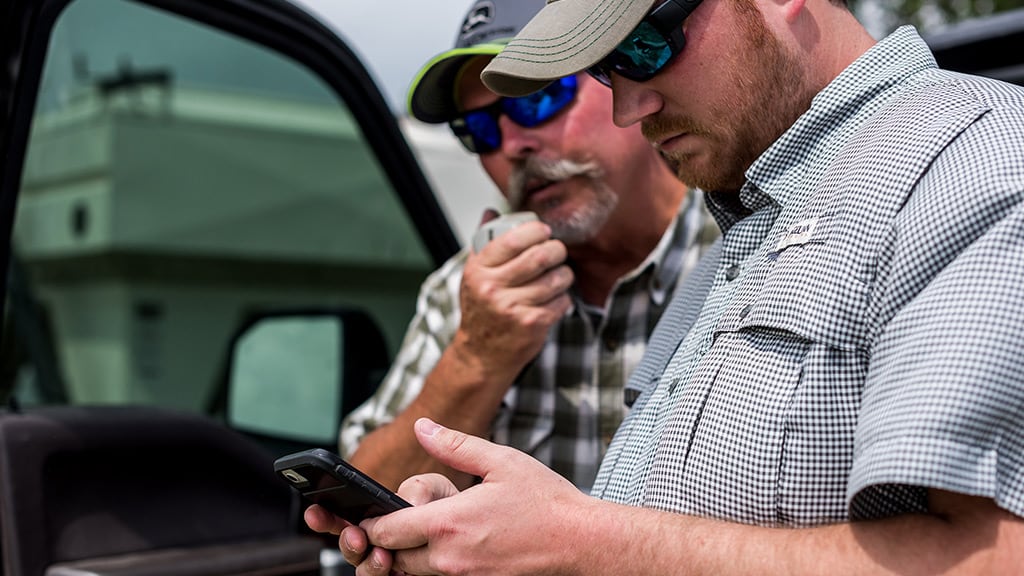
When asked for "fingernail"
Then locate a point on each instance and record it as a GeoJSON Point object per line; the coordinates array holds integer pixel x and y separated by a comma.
{"type": "Point", "coordinates": [346, 542]}
{"type": "Point", "coordinates": [427, 427]}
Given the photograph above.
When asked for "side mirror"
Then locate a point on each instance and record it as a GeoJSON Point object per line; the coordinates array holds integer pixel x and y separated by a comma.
{"type": "Point", "coordinates": [294, 374]}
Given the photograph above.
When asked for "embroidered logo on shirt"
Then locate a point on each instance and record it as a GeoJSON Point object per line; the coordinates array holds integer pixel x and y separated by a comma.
{"type": "Point", "coordinates": [799, 234]}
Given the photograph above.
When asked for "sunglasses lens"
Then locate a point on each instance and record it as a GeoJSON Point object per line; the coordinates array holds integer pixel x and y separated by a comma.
{"type": "Point", "coordinates": [539, 107]}
{"type": "Point", "coordinates": [643, 53]}
{"type": "Point", "coordinates": [483, 129]}
{"type": "Point", "coordinates": [477, 131]}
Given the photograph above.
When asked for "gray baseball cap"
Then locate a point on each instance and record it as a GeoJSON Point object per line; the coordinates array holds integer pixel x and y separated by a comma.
{"type": "Point", "coordinates": [564, 38]}
{"type": "Point", "coordinates": [487, 27]}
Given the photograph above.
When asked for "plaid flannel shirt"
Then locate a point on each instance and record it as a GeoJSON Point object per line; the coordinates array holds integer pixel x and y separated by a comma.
{"type": "Point", "coordinates": [566, 405]}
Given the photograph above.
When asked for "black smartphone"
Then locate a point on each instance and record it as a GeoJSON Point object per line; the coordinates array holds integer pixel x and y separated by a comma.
{"type": "Point", "coordinates": [326, 479]}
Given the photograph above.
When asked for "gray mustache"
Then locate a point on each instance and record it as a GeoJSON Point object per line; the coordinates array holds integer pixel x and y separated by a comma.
{"type": "Point", "coordinates": [550, 170]}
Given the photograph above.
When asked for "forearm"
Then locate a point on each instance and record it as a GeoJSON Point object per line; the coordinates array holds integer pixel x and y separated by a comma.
{"type": "Point", "coordinates": [524, 519]}
{"type": "Point", "coordinates": [459, 392]}
{"type": "Point", "coordinates": [972, 536]}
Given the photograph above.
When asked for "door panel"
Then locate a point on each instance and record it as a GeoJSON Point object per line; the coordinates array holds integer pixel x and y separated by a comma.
{"type": "Point", "coordinates": [172, 170]}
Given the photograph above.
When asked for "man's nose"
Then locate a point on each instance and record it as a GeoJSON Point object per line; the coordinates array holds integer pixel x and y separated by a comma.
{"type": "Point", "coordinates": [632, 101]}
{"type": "Point", "coordinates": [518, 142]}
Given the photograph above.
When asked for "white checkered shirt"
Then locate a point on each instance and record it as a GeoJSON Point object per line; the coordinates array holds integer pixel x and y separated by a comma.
{"type": "Point", "coordinates": [566, 405]}
{"type": "Point", "coordinates": [861, 340]}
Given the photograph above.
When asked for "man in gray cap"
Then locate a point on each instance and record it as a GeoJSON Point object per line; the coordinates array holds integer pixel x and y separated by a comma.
{"type": "Point", "coordinates": [849, 399]}
{"type": "Point", "coordinates": [530, 340]}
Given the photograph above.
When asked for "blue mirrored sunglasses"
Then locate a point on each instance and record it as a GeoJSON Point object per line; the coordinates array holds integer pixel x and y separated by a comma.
{"type": "Point", "coordinates": [655, 41]}
{"type": "Point", "coordinates": [478, 129]}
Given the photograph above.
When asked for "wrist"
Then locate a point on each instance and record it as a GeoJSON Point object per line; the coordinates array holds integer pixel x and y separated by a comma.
{"type": "Point", "coordinates": [463, 392]}
{"type": "Point", "coordinates": [479, 364]}
{"type": "Point", "coordinates": [600, 526]}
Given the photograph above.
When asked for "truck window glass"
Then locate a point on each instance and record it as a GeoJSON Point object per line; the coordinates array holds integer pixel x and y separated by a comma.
{"type": "Point", "coordinates": [179, 180]}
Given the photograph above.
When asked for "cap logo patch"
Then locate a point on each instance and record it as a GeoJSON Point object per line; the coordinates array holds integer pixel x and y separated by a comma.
{"type": "Point", "coordinates": [481, 15]}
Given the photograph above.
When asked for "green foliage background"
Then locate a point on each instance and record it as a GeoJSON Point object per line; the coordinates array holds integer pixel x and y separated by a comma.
{"type": "Point", "coordinates": [883, 16]}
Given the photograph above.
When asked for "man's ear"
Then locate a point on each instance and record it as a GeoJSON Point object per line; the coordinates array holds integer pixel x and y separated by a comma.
{"type": "Point", "coordinates": [791, 9]}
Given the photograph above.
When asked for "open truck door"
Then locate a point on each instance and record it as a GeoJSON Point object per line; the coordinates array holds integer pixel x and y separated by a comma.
{"type": "Point", "coordinates": [173, 173]}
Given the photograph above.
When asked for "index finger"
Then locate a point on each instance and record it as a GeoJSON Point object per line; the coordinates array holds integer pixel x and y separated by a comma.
{"type": "Point", "coordinates": [400, 530]}
{"type": "Point", "coordinates": [320, 520]}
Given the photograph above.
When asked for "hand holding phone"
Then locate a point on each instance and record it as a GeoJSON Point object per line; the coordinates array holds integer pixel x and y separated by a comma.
{"type": "Point", "coordinates": [326, 479]}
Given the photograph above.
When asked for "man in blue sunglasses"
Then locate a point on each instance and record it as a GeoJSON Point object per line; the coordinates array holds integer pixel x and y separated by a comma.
{"type": "Point", "coordinates": [529, 342]}
{"type": "Point", "coordinates": [849, 398]}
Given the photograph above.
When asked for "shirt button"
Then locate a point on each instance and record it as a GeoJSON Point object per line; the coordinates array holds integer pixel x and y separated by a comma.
{"type": "Point", "coordinates": [745, 311]}
{"type": "Point", "coordinates": [733, 272]}
{"type": "Point", "coordinates": [611, 344]}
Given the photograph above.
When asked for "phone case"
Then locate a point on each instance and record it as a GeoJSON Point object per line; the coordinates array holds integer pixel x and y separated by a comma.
{"type": "Point", "coordinates": [326, 479]}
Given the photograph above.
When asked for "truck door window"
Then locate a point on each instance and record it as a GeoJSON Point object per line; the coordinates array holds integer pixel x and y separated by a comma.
{"type": "Point", "coordinates": [179, 179]}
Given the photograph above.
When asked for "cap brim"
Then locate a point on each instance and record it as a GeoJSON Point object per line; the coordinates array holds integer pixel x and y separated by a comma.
{"type": "Point", "coordinates": [431, 97]}
{"type": "Point", "coordinates": [564, 38]}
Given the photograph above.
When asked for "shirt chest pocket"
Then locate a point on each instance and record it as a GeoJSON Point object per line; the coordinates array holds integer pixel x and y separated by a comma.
{"type": "Point", "coordinates": [812, 284]}
{"type": "Point", "coordinates": [778, 393]}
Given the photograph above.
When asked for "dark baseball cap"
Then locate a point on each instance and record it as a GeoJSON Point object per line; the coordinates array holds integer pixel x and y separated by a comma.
{"type": "Point", "coordinates": [485, 30]}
